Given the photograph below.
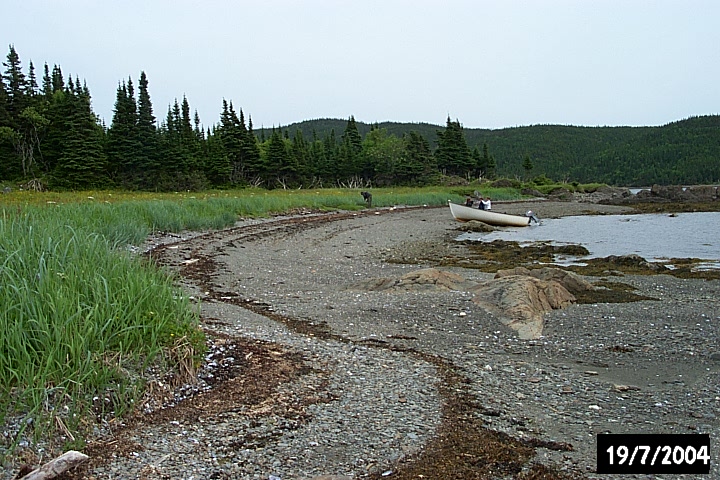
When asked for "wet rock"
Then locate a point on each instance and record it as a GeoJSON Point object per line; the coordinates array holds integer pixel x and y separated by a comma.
{"type": "Point", "coordinates": [633, 260]}
{"type": "Point", "coordinates": [475, 226]}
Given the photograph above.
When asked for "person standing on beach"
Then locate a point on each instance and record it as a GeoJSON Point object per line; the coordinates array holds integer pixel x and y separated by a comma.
{"type": "Point", "coordinates": [367, 196]}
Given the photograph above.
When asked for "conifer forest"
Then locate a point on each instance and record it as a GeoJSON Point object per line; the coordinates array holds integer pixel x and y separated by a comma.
{"type": "Point", "coordinates": [50, 138]}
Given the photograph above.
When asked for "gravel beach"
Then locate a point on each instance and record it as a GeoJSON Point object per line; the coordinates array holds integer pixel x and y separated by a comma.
{"type": "Point", "coordinates": [313, 375]}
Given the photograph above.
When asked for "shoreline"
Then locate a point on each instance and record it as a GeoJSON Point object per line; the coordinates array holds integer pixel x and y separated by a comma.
{"type": "Point", "coordinates": [376, 382]}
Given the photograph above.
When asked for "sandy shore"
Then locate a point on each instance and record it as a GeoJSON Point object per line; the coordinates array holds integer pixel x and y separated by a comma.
{"type": "Point", "coordinates": [417, 382]}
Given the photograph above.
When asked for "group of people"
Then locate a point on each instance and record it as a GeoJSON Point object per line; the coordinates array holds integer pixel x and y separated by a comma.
{"type": "Point", "coordinates": [481, 203]}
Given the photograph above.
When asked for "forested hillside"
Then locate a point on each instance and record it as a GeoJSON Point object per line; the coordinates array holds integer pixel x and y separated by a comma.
{"type": "Point", "coordinates": [51, 138]}
{"type": "Point", "coordinates": [682, 152]}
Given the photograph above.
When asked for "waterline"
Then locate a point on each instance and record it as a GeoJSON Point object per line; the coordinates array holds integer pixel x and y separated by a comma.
{"type": "Point", "coordinates": [655, 237]}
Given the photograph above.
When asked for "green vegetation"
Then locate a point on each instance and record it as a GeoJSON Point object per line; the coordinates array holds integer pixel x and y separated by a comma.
{"type": "Point", "coordinates": [50, 138]}
{"type": "Point", "coordinates": [83, 318]}
{"type": "Point", "coordinates": [682, 152]}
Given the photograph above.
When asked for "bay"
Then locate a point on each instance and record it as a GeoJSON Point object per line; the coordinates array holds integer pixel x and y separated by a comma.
{"type": "Point", "coordinates": [655, 237]}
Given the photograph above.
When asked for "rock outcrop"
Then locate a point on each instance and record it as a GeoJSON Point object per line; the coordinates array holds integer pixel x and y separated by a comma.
{"type": "Point", "coordinates": [425, 279]}
{"type": "Point", "coordinates": [520, 301]}
{"type": "Point", "coordinates": [475, 226]}
{"type": "Point", "coordinates": [572, 282]}
{"type": "Point", "coordinates": [519, 297]}
{"type": "Point", "coordinates": [677, 193]}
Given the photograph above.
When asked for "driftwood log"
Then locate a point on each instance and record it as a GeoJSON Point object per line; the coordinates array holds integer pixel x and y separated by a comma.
{"type": "Point", "coordinates": [56, 467]}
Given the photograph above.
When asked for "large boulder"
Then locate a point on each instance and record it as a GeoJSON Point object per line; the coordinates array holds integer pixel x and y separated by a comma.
{"type": "Point", "coordinates": [603, 194]}
{"type": "Point", "coordinates": [425, 279]}
{"type": "Point", "coordinates": [572, 282]}
{"type": "Point", "coordinates": [532, 192]}
{"type": "Point", "coordinates": [518, 298]}
{"type": "Point", "coordinates": [694, 193]}
{"type": "Point", "coordinates": [701, 193]}
{"type": "Point", "coordinates": [520, 301]}
{"type": "Point", "coordinates": [670, 192]}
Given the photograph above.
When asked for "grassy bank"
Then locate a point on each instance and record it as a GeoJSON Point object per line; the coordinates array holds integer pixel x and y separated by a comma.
{"type": "Point", "coordinates": [82, 318]}
{"type": "Point", "coordinates": [80, 321]}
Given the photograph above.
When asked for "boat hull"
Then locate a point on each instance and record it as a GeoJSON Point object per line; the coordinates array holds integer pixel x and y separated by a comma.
{"type": "Point", "coordinates": [465, 214]}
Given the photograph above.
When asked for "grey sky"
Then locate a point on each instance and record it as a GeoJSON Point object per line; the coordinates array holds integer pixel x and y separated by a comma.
{"type": "Point", "coordinates": [489, 64]}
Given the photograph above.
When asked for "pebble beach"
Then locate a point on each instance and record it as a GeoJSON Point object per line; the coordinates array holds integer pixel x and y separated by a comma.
{"type": "Point", "coordinates": [352, 383]}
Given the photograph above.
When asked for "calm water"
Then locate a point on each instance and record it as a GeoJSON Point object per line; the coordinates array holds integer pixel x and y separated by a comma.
{"type": "Point", "coordinates": [655, 237]}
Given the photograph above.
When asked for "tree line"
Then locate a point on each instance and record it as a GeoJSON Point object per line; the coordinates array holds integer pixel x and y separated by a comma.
{"type": "Point", "coordinates": [50, 137]}
{"type": "Point", "coordinates": [682, 152]}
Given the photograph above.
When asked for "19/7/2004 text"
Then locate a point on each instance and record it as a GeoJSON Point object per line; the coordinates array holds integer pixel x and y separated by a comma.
{"type": "Point", "coordinates": [653, 453]}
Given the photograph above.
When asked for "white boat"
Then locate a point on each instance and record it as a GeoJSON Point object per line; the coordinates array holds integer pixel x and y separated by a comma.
{"type": "Point", "coordinates": [465, 214]}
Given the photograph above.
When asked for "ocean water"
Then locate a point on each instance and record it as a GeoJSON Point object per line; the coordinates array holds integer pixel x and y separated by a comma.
{"type": "Point", "coordinates": [655, 237]}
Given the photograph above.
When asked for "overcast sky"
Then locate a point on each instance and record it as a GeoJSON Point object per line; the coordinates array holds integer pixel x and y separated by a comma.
{"type": "Point", "coordinates": [487, 63]}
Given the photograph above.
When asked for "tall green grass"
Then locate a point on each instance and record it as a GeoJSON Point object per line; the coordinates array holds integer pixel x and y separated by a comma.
{"type": "Point", "coordinates": [81, 317]}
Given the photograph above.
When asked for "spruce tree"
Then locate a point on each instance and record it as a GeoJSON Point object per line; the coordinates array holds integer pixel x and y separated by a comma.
{"type": "Point", "coordinates": [58, 114]}
{"type": "Point", "coordinates": [352, 137]}
{"type": "Point", "coordinates": [47, 88]}
{"type": "Point", "coordinates": [527, 165]}
{"type": "Point", "coordinates": [419, 166]}
{"type": "Point", "coordinates": [174, 156]}
{"type": "Point", "coordinates": [82, 163]}
{"type": "Point", "coordinates": [250, 149]}
{"type": "Point", "coordinates": [351, 164]}
{"type": "Point", "coordinates": [16, 86]}
{"type": "Point", "coordinates": [231, 138]}
{"type": "Point", "coordinates": [190, 141]}
{"type": "Point", "coordinates": [484, 165]}
{"type": "Point", "coordinates": [58, 84]}
{"type": "Point", "coordinates": [218, 168]}
{"type": "Point", "coordinates": [147, 135]}
{"type": "Point", "coordinates": [32, 85]}
{"type": "Point", "coordinates": [9, 159]}
{"type": "Point", "coordinates": [280, 163]}
{"type": "Point", "coordinates": [491, 168]}
{"type": "Point", "coordinates": [453, 154]}
{"type": "Point", "coordinates": [300, 152]}
{"type": "Point", "coordinates": [4, 113]}
{"type": "Point", "coordinates": [123, 145]}
{"type": "Point", "coordinates": [332, 156]}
